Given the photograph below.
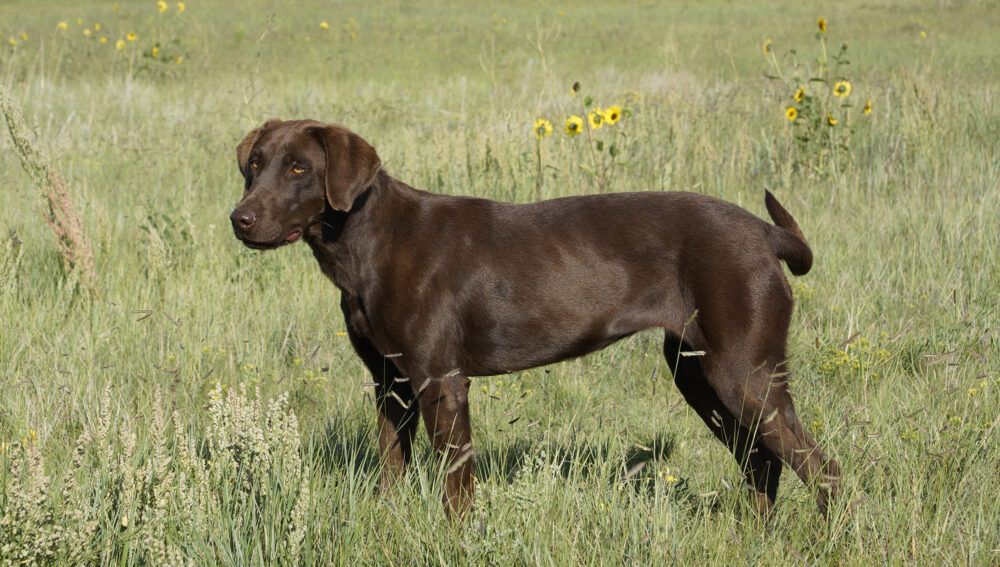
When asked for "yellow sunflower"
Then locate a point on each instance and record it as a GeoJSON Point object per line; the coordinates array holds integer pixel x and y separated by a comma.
{"type": "Point", "coordinates": [542, 128]}
{"type": "Point", "coordinates": [130, 36]}
{"type": "Point", "coordinates": [791, 113]}
{"type": "Point", "coordinates": [595, 118]}
{"type": "Point", "coordinates": [574, 125]}
{"type": "Point", "coordinates": [767, 45]}
{"type": "Point", "coordinates": [800, 94]}
{"type": "Point", "coordinates": [830, 119]}
{"type": "Point", "coordinates": [868, 107]}
{"type": "Point", "coordinates": [613, 114]}
{"type": "Point", "coordinates": [821, 23]}
{"type": "Point", "coordinates": [161, 6]}
{"type": "Point", "coordinates": [181, 7]}
{"type": "Point", "coordinates": [62, 25]}
{"type": "Point", "coordinates": [842, 89]}
{"type": "Point", "coordinates": [120, 44]}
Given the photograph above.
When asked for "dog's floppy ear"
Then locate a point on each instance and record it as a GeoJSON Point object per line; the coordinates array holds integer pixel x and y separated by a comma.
{"type": "Point", "coordinates": [244, 147]}
{"type": "Point", "coordinates": [351, 165]}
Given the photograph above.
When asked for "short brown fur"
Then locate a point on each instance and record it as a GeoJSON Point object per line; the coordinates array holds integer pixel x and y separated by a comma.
{"type": "Point", "coordinates": [436, 288]}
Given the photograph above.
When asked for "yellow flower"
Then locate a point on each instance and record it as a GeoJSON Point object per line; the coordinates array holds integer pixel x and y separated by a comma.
{"type": "Point", "coordinates": [923, 34]}
{"type": "Point", "coordinates": [155, 52]}
{"type": "Point", "coordinates": [24, 37]}
{"type": "Point", "coordinates": [324, 25]}
{"type": "Point", "coordinates": [104, 40]}
{"type": "Point", "coordinates": [574, 125]}
{"type": "Point", "coordinates": [97, 27]}
{"type": "Point", "coordinates": [86, 33]}
{"type": "Point", "coordinates": [340, 334]}
{"type": "Point", "coordinates": [179, 59]}
{"type": "Point", "coordinates": [79, 21]}
{"type": "Point", "coordinates": [767, 45]}
{"type": "Point", "coordinates": [800, 94]}
{"type": "Point", "coordinates": [613, 114]}
{"type": "Point", "coordinates": [868, 107]}
{"type": "Point", "coordinates": [120, 44]}
{"type": "Point", "coordinates": [830, 119]}
{"type": "Point", "coordinates": [161, 6]}
{"type": "Point", "coordinates": [821, 23]}
{"type": "Point", "coordinates": [181, 6]}
{"type": "Point", "coordinates": [542, 128]}
{"type": "Point", "coordinates": [62, 25]}
{"type": "Point", "coordinates": [12, 41]}
{"type": "Point", "coordinates": [131, 36]}
{"type": "Point", "coordinates": [791, 113]}
{"type": "Point", "coordinates": [842, 89]}
{"type": "Point", "coordinates": [595, 118]}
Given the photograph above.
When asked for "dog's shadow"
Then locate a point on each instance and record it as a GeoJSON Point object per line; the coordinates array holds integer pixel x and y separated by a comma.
{"type": "Point", "coordinates": [351, 447]}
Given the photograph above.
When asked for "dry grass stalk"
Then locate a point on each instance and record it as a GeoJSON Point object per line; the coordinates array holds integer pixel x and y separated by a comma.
{"type": "Point", "coordinates": [60, 212]}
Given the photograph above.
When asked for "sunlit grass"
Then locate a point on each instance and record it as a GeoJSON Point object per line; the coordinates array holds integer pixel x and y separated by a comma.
{"type": "Point", "coordinates": [586, 462]}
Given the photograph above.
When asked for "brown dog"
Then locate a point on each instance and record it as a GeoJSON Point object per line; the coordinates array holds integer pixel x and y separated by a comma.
{"type": "Point", "coordinates": [437, 288]}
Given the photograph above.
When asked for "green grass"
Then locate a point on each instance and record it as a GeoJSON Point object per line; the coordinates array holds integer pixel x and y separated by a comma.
{"type": "Point", "coordinates": [902, 224]}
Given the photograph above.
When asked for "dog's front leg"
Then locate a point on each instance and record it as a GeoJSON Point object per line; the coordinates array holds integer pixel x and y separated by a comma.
{"type": "Point", "coordinates": [444, 405]}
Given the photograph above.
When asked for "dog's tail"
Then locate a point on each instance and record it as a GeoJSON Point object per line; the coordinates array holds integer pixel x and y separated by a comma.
{"type": "Point", "coordinates": [787, 241]}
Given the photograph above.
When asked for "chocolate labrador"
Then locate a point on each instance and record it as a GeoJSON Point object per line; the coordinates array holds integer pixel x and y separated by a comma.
{"type": "Point", "coordinates": [436, 288]}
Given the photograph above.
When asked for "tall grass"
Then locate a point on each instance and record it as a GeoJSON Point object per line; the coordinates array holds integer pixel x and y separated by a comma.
{"type": "Point", "coordinates": [206, 408]}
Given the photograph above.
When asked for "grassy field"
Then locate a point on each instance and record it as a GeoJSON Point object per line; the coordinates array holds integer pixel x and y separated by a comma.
{"type": "Point", "coordinates": [203, 406]}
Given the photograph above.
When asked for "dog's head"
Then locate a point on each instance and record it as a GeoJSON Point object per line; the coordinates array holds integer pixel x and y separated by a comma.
{"type": "Point", "coordinates": [293, 169]}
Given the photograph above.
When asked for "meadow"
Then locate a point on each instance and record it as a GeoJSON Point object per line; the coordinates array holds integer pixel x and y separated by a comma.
{"type": "Point", "coordinates": [196, 402]}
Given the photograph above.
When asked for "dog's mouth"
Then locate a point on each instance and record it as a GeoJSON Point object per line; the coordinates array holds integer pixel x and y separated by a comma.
{"type": "Point", "coordinates": [260, 245]}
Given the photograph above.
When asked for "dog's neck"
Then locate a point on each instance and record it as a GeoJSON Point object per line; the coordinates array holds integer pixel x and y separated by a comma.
{"type": "Point", "coordinates": [345, 243]}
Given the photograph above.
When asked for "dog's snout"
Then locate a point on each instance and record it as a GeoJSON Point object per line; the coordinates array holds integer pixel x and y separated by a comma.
{"type": "Point", "coordinates": [243, 218]}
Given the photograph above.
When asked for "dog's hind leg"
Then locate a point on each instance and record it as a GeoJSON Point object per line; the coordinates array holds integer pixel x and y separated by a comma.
{"type": "Point", "coordinates": [760, 465]}
{"type": "Point", "coordinates": [757, 394]}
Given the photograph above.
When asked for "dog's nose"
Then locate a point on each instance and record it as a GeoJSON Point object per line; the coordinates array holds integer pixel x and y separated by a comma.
{"type": "Point", "coordinates": [243, 218]}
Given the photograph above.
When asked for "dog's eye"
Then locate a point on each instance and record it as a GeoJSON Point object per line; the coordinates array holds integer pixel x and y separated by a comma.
{"type": "Point", "coordinates": [297, 170]}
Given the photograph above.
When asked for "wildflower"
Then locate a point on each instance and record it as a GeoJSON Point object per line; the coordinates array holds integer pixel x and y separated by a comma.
{"type": "Point", "coordinates": [613, 114]}
{"type": "Point", "coordinates": [821, 23]}
{"type": "Point", "coordinates": [104, 40]}
{"type": "Point", "coordinates": [767, 45]}
{"type": "Point", "coordinates": [830, 119]}
{"type": "Point", "coordinates": [97, 27]}
{"type": "Point", "coordinates": [542, 128]}
{"type": "Point", "coordinates": [155, 52]}
{"type": "Point", "coordinates": [181, 6]}
{"type": "Point", "coordinates": [791, 113]}
{"type": "Point", "coordinates": [12, 41]}
{"type": "Point", "coordinates": [62, 25]}
{"type": "Point", "coordinates": [161, 6]}
{"type": "Point", "coordinates": [298, 362]}
{"type": "Point", "coordinates": [923, 34]}
{"type": "Point", "coordinates": [595, 118]}
{"type": "Point", "coordinates": [868, 107]}
{"type": "Point", "coordinates": [24, 37]}
{"type": "Point", "coordinates": [842, 89]}
{"type": "Point", "coordinates": [120, 44]}
{"type": "Point", "coordinates": [86, 32]}
{"type": "Point", "coordinates": [179, 59]}
{"type": "Point", "coordinates": [131, 36]}
{"type": "Point", "coordinates": [340, 334]}
{"type": "Point", "coordinates": [79, 21]}
{"type": "Point", "coordinates": [800, 94]}
{"type": "Point", "coordinates": [324, 25]}
{"type": "Point", "coordinates": [574, 125]}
